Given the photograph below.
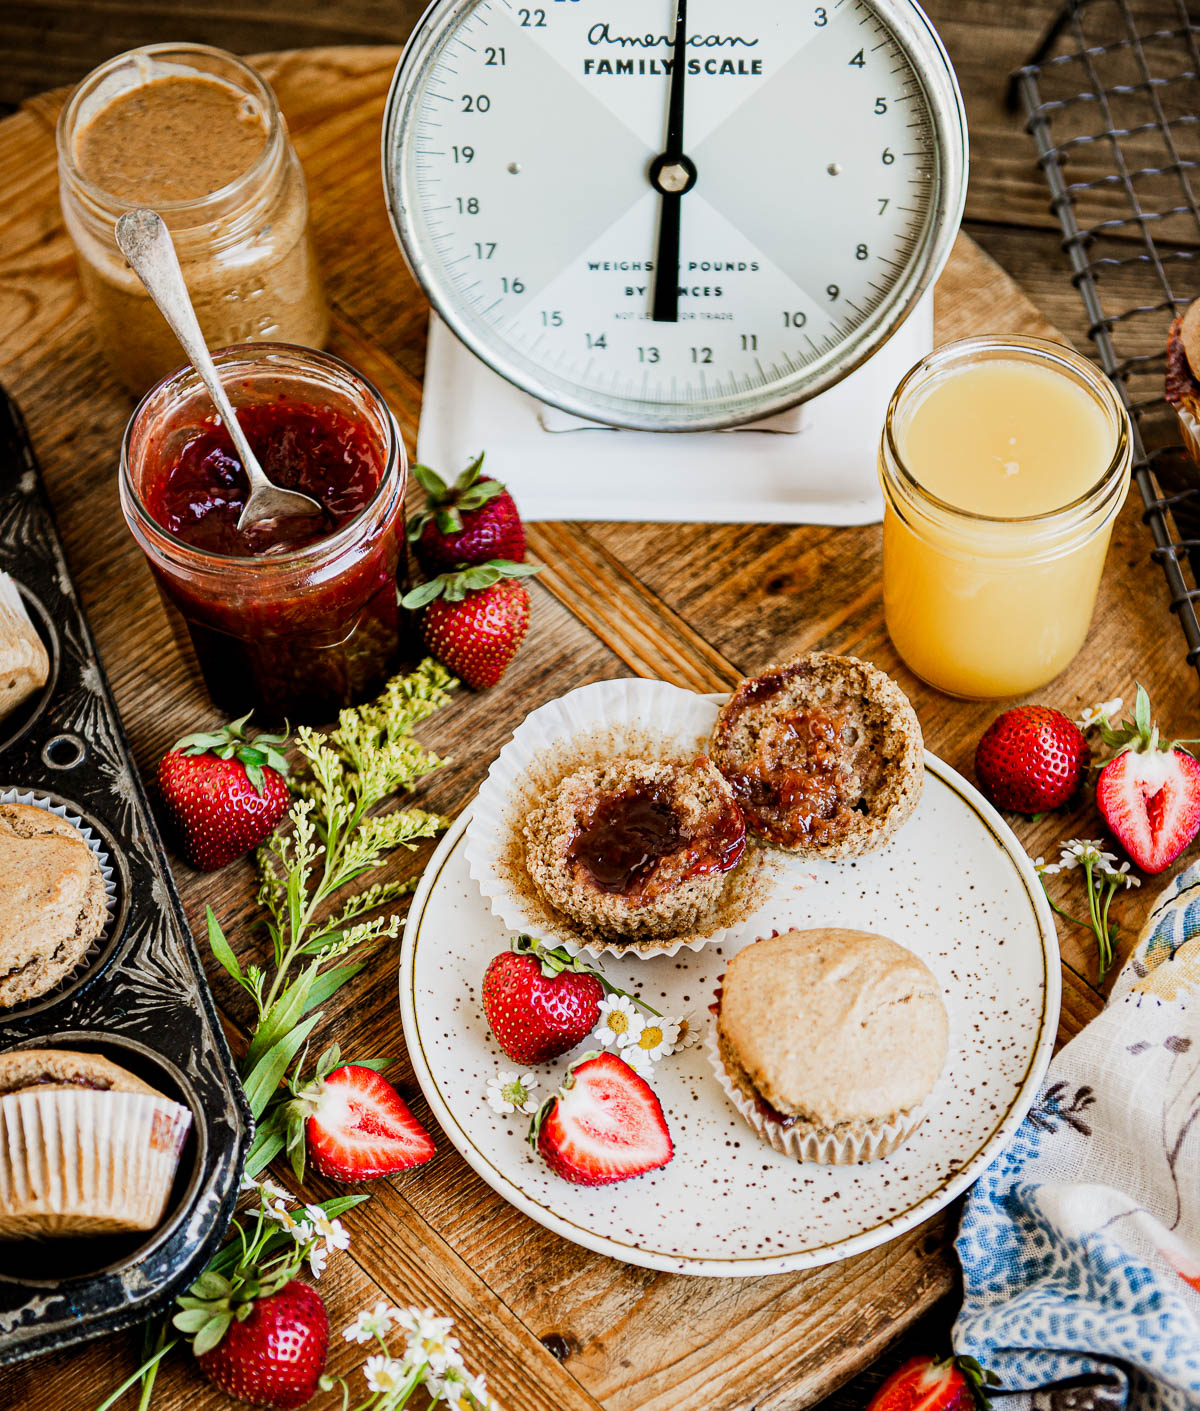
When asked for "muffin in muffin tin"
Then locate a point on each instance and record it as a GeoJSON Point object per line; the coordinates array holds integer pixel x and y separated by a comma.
{"type": "Point", "coordinates": [824, 755]}
{"type": "Point", "coordinates": [636, 849]}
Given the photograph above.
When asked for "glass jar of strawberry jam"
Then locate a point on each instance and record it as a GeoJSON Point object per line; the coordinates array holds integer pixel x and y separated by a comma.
{"type": "Point", "coordinates": [298, 617]}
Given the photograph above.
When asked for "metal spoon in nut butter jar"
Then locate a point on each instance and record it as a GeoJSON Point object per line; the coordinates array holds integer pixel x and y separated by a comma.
{"type": "Point", "coordinates": [146, 243]}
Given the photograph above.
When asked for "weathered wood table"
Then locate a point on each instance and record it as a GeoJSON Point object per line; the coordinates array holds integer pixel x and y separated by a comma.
{"type": "Point", "coordinates": [556, 1327]}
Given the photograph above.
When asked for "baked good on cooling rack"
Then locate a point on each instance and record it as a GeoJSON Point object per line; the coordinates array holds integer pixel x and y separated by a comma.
{"type": "Point", "coordinates": [53, 903]}
{"type": "Point", "coordinates": [24, 662]}
{"type": "Point", "coordinates": [1183, 376]}
{"type": "Point", "coordinates": [636, 849]}
{"type": "Point", "coordinates": [829, 1041]}
{"type": "Point", "coordinates": [86, 1148]}
{"type": "Point", "coordinates": [824, 755]}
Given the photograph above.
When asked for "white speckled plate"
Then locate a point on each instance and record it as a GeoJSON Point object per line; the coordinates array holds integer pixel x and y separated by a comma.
{"type": "Point", "coordinates": [955, 886]}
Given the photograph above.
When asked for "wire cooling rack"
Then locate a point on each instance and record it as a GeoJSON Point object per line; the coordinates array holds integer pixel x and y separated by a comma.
{"type": "Point", "coordinates": [1113, 101]}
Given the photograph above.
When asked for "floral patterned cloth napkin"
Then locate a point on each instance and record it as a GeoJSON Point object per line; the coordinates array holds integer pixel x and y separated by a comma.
{"type": "Point", "coordinates": [1080, 1246]}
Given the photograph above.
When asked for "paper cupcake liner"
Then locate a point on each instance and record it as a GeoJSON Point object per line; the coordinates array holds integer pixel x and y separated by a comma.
{"type": "Point", "coordinates": [605, 720]}
{"type": "Point", "coordinates": [869, 1141]}
{"type": "Point", "coordinates": [1189, 427]}
{"type": "Point", "coordinates": [87, 1161]}
{"type": "Point", "coordinates": [92, 839]}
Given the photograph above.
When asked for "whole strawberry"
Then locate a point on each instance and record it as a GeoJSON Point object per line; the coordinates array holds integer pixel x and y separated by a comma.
{"type": "Point", "coordinates": [540, 1001]}
{"type": "Point", "coordinates": [1149, 792]}
{"type": "Point", "coordinates": [475, 620]}
{"type": "Point", "coordinates": [470, 522]}
{"type": "Point", "coordinates": [274, 1356]}
{"type": "Point", "coordinates": [923, 1384]}
{"type": "Point", "coordinates": [223, 793]}
{"type": "Point", "coordinates": [1031, 759]}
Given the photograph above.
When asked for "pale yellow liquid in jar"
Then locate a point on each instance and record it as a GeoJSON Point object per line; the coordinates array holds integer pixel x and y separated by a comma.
{"type": "Point", "coordinates": [990, 611]}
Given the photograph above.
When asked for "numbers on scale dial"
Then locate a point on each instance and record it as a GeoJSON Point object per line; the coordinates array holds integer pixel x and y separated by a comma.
{"type": "Point", "coordinates": [738, 274]}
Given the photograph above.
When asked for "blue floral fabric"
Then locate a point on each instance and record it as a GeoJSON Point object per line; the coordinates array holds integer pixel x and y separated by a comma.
{"type": "Point", "coordinates": [1080, 1246]}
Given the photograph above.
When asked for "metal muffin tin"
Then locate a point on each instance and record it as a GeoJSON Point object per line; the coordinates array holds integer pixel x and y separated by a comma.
{"type": "Point", "coordinates": [141, 998]}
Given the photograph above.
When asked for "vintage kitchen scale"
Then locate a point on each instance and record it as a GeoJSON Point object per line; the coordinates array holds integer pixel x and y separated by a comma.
{"type": "Point", "coordinates": [803, 165]}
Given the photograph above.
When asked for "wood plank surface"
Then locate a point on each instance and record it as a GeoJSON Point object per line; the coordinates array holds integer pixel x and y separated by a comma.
{"type": "Point", "coordinates": [556, 1327]}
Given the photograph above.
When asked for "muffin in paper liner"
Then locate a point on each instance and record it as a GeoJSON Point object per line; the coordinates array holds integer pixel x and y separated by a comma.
{"type": "Point", "coordinates": [607, 720]}
{"type": "Point", "coordinates": [852, 1143]}
{"type": "Point", "coordinates": [87, 1161]}
{"type": "Point", "coordinates": [107, 870]}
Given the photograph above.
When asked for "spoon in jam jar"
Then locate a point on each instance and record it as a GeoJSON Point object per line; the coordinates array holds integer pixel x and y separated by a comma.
{"type": "Point", "coordinates": [146, 243]}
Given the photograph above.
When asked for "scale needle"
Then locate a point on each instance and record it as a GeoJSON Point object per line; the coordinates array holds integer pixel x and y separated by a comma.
{"type": "Point", "coordinates": [673, 175]}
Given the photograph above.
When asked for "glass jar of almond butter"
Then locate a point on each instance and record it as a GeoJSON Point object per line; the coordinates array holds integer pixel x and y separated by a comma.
{"type": "Point", "coordinates": [197, 135]}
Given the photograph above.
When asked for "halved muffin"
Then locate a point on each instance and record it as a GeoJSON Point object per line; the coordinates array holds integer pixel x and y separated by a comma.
{"type": "Point", "coordinates": [636, 849]}
{"type": "Point", "coordinates": [824, 755]}
{"type": "Point", "coordinates": [829, 1041]}
{"type": "Point", "coordinates": [86, 1147]}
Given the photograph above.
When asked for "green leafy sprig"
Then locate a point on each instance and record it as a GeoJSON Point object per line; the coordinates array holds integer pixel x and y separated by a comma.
{"type": "Point", "coordinates": [319, 923]}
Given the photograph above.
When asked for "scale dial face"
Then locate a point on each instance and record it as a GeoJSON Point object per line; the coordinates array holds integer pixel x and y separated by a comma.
{"type": "Point", "coordinates": [829, 147]}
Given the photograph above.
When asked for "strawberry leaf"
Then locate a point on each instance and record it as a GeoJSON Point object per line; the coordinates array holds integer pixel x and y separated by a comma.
{"type": "Point", "coordinates": [429, 481]}
{"type": "Point", "coordinates": [448, 521]}
{"type": "Point", "coordinates": [468, 477]}
{"type": "Point", "coordinates": [422, 594]}
{"type": "Point", "coordinates": [211, 1333]}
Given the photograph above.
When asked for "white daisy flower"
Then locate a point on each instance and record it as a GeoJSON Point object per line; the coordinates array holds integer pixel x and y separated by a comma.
{"type": "Point", "coordinates": [430, 1335]}
{"type": "Point", "coordinates": [510, 1092]}
{"type": "Point", "coordinates": [639, 1060]}
{"type": "Point", "coordinates": [620, 1023]}
{"type": "Point", "coordinates": [1121, 875]}
{"type": "Point", "coordinates": [690, 1029]}
{"type": "Point", "coordinates": [333, 1232]}
{"type": "Point", "coordinates": [318, 1257]}
{"type": "Point", "coordinates": [385, 1374]}
{"type": "Point", "coordinates": [300, 1230]}
{"type": "Point", "coordinates": [1079, 851]}
{"type": "Point", "coordinates": [1101, 711]}
{"type": "Point", "coordinates": [657, 1038]}
{"type": "Point", "coordinates": [370, 1323]}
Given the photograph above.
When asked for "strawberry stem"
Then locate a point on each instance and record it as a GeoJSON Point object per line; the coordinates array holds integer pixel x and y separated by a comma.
{"type": "Point", "coordinates": [556, 959]}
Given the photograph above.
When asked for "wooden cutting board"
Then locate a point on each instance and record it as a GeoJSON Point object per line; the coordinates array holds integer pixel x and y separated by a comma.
{"type": "Point", "coordinates": [555, 1327]}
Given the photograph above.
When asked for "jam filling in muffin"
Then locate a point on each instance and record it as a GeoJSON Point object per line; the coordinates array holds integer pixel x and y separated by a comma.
{"type": "Point", "coordinates": [823, 755]}
{"type": "Point", "coordinates": [636, 844]}
{"type": "Point", "coordinates": [636, 849]}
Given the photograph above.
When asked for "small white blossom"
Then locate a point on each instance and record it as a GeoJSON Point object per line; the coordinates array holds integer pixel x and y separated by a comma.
{"type": "Point", "coordinates": [690, 1029]}
{"type": "Point", "coordinates": [333, 1232]}
{"type": "Point", "coordinates": [656, 1040]}
{"type": "Point", "coordinates": [1119, 875]}
{"type": "Point", "coordinates": [318, 1257]}
{"type": "Point", "coordinates": [510, 1092]}
{"type": "Point", "coordinates": [1042, 867]}
{"type": "Point", "coordinates": [370, 1323]}
{"type": "Point", "coordinates": [300, 1230]}
{"type": "Point", "coordinates": [620, 1022]}
{"type": "Point", "coordinates": [385, 1374]}
{"type": "Point", "coordinates": [430, 1336]}
{"type": "Point", "coordinates": [639, 1060]}
{"type": "Point", "coordinates": [1078, 852]}
{"type": "Point", "coordinates": [1102, 711]}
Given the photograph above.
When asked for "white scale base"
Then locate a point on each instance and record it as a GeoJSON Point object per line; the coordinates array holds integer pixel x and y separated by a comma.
{"type": "Point", "coordinates": [812, 465]}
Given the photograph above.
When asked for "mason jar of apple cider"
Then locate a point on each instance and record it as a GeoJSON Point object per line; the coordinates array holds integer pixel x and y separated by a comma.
{"type": "Point", "coordinates": [1003, 463]}
{"type": "Point", "coordinates": [195, 134]}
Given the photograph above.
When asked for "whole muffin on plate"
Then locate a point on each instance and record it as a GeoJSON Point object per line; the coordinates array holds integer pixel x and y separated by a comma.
{"type": "Point", "coordinates": [636, 849]}
{"type": "Point", "coordinates": [86, 1147]}
{"type": "Point", "coordinates": [829, 1041]}
{"type": "Point", "coordinates": [1183, 380]}
{"type": "Point", "coordinates": [824, 755]}
{"type": "Point", "coordinates": [53, 902]}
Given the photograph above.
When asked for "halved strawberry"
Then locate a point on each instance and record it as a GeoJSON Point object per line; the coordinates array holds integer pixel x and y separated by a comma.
{"type": "Point", "coordinates": [923, 1384]}
{"type": "Point", "coordinates": [356, 1126]}
{"type": "Point", "coordinates": [605, 1124]}
{"type": "Point", "coordinates": [1149, 792]}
